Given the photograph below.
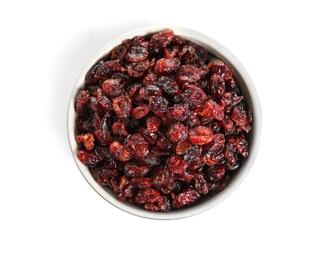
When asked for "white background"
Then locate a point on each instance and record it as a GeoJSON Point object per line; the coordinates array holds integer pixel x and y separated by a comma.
{"type": "Point", "coordinates": [48, 210]}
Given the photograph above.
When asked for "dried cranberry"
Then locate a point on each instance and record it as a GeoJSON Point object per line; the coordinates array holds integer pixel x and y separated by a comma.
{"type": "Point", "coordinates": [187, 73]}
{"type": "Point", "coordinates": [158, 105]}
{"type": "Point", "coordinates": [216, 172]}
{"type": "Point", "coordinates": [103, 100]}
{"type": "Point", "coordinates": [161, 40]}
{"type": "Point", "coordinates": [201, 184]}
{"type": "Point", "coordinates": [163, 180]}
{"type": "Point", "coordinates": [82, 97]}
{"type": "Point", "coordinates": [194, 96]}
{"type": "Point", "coordinates": [242, 145]}
{"type": "Point", "coordinates": [137, 145]}
{"type": "Point", "coordinates": [217, 85]}
{"type": "Point", "coordinates": [153, 124]}
{"type": "Point", "coordinates": [141, 183]}
{"type": "Point", "coordinates": [114, 87]}
{"type": "Point", "coordinates": [137, 69]}
{"type": "Point", "coordinates": [103, 137]}
{"type": "Point", "coordinates": [149, 91]}
{"type": "Point", "coordinates": [118, 128]}
{"type": "Point", "coordinates": [186, 197]}
{"type": "Point", "coordinates": [88, 158]}
{"type": "Point", "coordinates": [179, 112]}
{"type": "Point", "coordinates": [200, 135]}
{"type": "Point", "coordinates": [122, 106]}
{"type": "Point", "coordinates": [86, 139]}
{"type": "Point", "coordinates": [148, 195]}
{"type": "Point", "coordinates": [177, 132]}
{"type": "Point", "coordinates": [118, 53]}
{"type": "Point", "coordinates": [136, 169]}
{"type": "Point", "coordinates": [183, 146]}
{"type": "Point", "coordinates": [166, 66]}
{"type": "Point", "coordinates": [106, 69]}
{"type": "Point", "coordinates": [140, 111]}
{"type": "Point", "coordinates": [176, 164]}
{"type": "Point", "coordinates": [136, 54]}
{"type": "Point", "coordinates": [120, 152]}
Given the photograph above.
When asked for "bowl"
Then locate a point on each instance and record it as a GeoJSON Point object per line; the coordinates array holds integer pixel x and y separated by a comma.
{"type": "Point", "coordinates": [248, 91]}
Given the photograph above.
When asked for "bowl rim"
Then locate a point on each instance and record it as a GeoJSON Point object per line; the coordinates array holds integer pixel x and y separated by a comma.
{"type": "Point", "coordinates": [217, 49]}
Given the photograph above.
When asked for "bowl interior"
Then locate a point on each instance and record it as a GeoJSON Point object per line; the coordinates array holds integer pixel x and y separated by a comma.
{"type": "Point", "coordinates": [248, 91]}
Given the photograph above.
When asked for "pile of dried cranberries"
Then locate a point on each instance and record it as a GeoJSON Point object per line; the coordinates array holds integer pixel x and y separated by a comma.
{"type": "Point", "coordinates": [162, 122]}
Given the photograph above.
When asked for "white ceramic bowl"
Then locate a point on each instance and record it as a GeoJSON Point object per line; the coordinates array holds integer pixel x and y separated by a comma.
{"type": "Point", "coordinates": [247, 88]}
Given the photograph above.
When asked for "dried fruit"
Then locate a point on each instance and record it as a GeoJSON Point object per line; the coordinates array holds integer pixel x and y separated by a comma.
{"type": "Point", "coordinates": [186, 197]}
{"type": "Point", "coordinates": [137, 145]}
{"type": "Point", "coordinates": [120, 152]}
{"type": "Point", "coordinates": [162, 122]}
{"type": "Point", "coordinates": [87, 140]}
{"type": "Point", "coordinates": [200, 135]}
{"type": "Point", "coordinates": [122, 106]}
{"type": "Point", "coordinates": [177, 132]}
{"type": "Point", "coordinates": [166, 66]}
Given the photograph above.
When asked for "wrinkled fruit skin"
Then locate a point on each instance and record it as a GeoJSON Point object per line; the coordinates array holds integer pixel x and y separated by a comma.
{"type": "Point", "coordinates": [162, 122]}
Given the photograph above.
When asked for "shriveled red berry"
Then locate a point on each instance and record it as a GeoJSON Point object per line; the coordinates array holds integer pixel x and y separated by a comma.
{"type": "Point", "coordinates": [87, 140]}
{"type": "Point", "coordinates": [166, 66]}
{"type": "Point", "coordinates": [149, 91]}
{"type": "Point", "coordinates": [200, 135]}
{"type": "Point", "coordinates": [201, 184]}
{"type": "Point", "coordinates": [120, 152]}
{"type": "Point", "coordinates": [82, 97]}
{"type": "Point", "coordinates": [240, 116]}
{"type": "Point", "coordinates": [140, 111]}
{"type": "Point", "coordinates": [122, 106]}
{"type": "Point", "coordinates": [103, 137]}
{"type": "Point", "coordinates": [102, 175]}
{"type": "Point", "coordinates": [186, 197]}
{"type": "Point", "coordinates": [216, 145]}
{"type": "Point", "coordinates": [183, 146]}
{"type": "Point", "coordinates": [90, 79]}
{"type": "Point", "coordinates": [137, 69]}
{"type": "Point", "coordinates": [162, 204]}
{"type": "Point", "coordinates": [158, 105]}
{"type": "Point", "coordinates": [168, 85]}
{"type": "Point", "coordinates": [161, 40]}
{"type": "Point", "coordinates": [216, 65]}
{"type": "Point", "coordinates": [136, 169]}
{"type": "Point", "coordinates": [177, 132]}
{"type": "Point", "coordinates": [162, 179]}
{"type": "Point", "coordinates": [217, 85]}
{"type": "Point", "coordinates": [216, 172]}
{"type": "Point", "coordinates": [107, 68]}
{"type": "Point", "coordinates": [136, 54]}
{"type": "Point", "coordinates": [242, 145]}
{"type": "Point", "coordinates": [179, 112]}
{"type": "Point", "coordinates": [176, 164]}
{"type": "Point", "coordinates": [148, 195]}
{"type": "Point", "coordinates": [88, 158]}
{"type": "Point", "coordinates": [118, 53]}
{"type": "Point", "coordinates": [194, 96]}
{"type": "Point", "coordinates": [164, 143]}
{"type": "Point", "coordinates": [187, 73]}
{"type": "Point", "coordinates": [137, 145]}
{"type": "Point", "coordinates": [153, 124]}
{"type": "Point", "coordinates": [103, 100]}
{"type": "Point", "coordinates": [141, 183]}
{"type": "Point", "coordinates": [150, 137]}
{"type": "Point", "coordinates": [118, 128]}
{"type": "Point", "coordinates": [114, 87]}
